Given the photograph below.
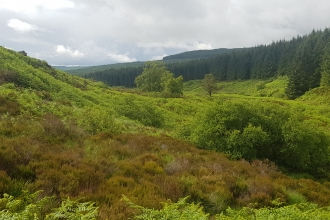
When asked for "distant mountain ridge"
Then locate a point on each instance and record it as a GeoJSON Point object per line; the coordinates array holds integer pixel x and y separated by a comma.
{"type": "Point", "coordinates": [70, 67]}
{"type": "Point", "coordinates": [200, 54]}
{"type": "Point", "coordinates": [180, 57]}
{"type": "Point", "coordinates": [89, 69]}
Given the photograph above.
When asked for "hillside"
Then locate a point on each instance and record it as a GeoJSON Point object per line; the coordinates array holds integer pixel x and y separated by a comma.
{"type": "Point", "coordinates": [69, 68]}
{"type": "Point", "coordinates": [73, 137]}
{"type": "Point", "coordinates": [91, 69]}
{"type": "Point", "coordinates": [181, 57]}
{"type": "Point", "coordinates": [199, 54]}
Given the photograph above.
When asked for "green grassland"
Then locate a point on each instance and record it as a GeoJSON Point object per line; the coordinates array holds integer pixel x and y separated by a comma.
{"type": "Point", "coordinates": [72, 137]}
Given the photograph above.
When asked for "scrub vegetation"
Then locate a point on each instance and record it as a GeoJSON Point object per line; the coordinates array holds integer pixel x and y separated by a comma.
{"type": "Point", "coordinates": [73, 148]}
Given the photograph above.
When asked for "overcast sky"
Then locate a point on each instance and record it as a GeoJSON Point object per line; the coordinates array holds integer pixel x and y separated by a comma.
{"type": "Point", "coordinates": [94, 32]}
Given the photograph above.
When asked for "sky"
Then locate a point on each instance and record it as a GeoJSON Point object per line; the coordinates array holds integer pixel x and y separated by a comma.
{"type": "Point", "coordinates": [96, 32]}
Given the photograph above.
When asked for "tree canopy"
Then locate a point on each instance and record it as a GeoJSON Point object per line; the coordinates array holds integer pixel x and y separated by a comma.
{"type": "Point", "coordinates": [156, 78]}
{"type": "Point", "coordinates": [209, 83]}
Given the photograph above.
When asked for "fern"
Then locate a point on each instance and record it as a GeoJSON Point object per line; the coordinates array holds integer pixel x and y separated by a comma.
{"type": "Point", "coordinates": [180, 210]}
{"type": "Point", "coordinates": [29, 206]}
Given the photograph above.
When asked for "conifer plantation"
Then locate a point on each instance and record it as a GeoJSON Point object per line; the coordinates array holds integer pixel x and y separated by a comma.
{"type": "Point", "coordinates": [160, 141]}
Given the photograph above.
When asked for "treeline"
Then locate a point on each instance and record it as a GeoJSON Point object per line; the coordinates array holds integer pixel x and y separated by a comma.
{"type": "Point", "coordinates": [300, 58]}
{"type": "Point", "coordinates": [117, 77]}
{"type": "Point", "coordinates": [199, 54]}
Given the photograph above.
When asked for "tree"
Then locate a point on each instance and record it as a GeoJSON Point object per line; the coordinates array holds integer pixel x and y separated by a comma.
{"type": "Point", "coordinates": [299, 75]}
{"type": "Point", "coordinates": [325, 66]}
{"type": "Point", "coordinates": [151, 78]}
{"type": "Point", "coordinates": [156, 78]}
{"type": "Point", "coordinates": [209, 83]}
{"type": "Point", "coordinates": [173, 86]}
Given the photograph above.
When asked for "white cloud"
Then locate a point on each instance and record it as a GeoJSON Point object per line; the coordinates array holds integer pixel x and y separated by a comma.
{"type": "Point", "coordinates": [177, 45]}
{"type": "Point", "coordinates": [23, 27]}
{"type": "Point", "coordinates": [31, 6]}
{"type": "Point", "coordinates": [68, 51]}
{"type": "Point", "coordinates": [201, 46]}
{"type": "Point", "coordinates": [121, 57]}
{"type": "Point", "coordinates": [158, 57]}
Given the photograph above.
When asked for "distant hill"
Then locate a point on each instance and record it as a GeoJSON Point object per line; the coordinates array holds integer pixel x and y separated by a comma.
{"type": "Point", "coordinates": [91, 69]}
{"type": "Point", "coordinates": [181, 57]}
{"type": "Point", "coordinates": [68, 68]}
{"type": "Point", "coordinates": [199, 54]}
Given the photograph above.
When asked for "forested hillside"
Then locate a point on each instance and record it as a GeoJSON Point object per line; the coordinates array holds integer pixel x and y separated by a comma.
{"type": "Point", "coordinates": [190, 55]}
{"type": "Point", "coordinates": [72, 147]}
{"type": "Point", "coordinates": [199, 54]}
{"type": "Point", "coordinates": [301, 59]}
{"type": "Point", "coordinates": [85, 70]}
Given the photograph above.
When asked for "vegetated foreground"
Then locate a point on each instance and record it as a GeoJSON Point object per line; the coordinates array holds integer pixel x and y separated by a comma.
{"type": "Point", "coordinates": [71, 137]}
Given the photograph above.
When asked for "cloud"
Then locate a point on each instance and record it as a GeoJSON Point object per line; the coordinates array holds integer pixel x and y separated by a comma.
{"type": "Point", "coordinates": [201, 46]}
{"type": "Point", "coordinates": [68, 51]}
{"type": "Point", "coordinates": [121, 57]}
{"type": "Point", "coordinates": [106, 31]}
{"type": "Point", "coordinates": [177, 45]}
{"type": "Point", "coordinates": [23, 27]}
{"type": "Point", "coordinates": [31, 6]}
{"type": "Point", "coordinates": [158, 57]}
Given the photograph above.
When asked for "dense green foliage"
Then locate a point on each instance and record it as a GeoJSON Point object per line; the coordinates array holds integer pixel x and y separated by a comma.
{"type": "Point", "coordinates": [156, 78]}
{"type": "Point", "coordinates": [262, 130]}
{"type": "Point", "coordinates": [186, 211]}
{"type": "Point", "coordinates": [325, 66]}
{"type": "Point", "coordinates": [29, 206]}
{"type": "Point", "coordinates": [72, 137]}
{"type": "Point", "coordinates": [171, 211]}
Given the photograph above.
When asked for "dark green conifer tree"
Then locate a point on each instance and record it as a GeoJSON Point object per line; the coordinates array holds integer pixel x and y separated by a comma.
{"type": "Point", "coordinates": [325, 66]}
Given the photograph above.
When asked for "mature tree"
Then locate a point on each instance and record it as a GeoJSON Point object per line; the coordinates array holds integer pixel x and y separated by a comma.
{"type": "Point", "coordinates": [300, 73]}
{"type": "Point", "coordinates": [156, 78]}
{"type": "Point", "coordinates": [209, 83]}
{"type": "Point", "coordinates": [151, 78]}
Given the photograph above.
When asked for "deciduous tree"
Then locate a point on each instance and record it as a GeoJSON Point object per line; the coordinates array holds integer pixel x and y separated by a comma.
{"type": "Point", "coordinates": [209, 83]}
{"type": "Point", "coordinates": [156, 78]}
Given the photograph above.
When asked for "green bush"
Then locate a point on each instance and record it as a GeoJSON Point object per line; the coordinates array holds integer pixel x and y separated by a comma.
{"type": "Point", "coordinates": [255, 130]}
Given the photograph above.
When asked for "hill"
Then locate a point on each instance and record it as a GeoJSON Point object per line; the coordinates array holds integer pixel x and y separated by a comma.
{"type": "Point", "coordinates": [72, 137]}
{"type": "Point", "coordinates": [91, 69]}
{"type": "Point", "coordinates": [200, 54]}
{"type": "Point", "coordinates": [189, 55]}
{"type": "Point", "coordinates": [68, 68]}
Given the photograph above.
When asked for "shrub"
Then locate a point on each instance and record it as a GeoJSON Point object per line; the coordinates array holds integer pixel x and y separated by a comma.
{"type": "Point", "coordinates": [152, 167]}
{"type": "Point", "coordinates": [99, 119]}
{"type": "Point", "coordinates": [295, 198]}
